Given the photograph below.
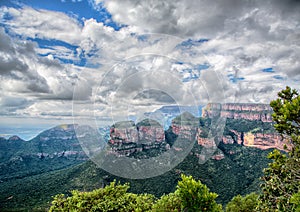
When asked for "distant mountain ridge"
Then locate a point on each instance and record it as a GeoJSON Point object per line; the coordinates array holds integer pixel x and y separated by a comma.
{"type": "Point", "coordinates": [52, 149]}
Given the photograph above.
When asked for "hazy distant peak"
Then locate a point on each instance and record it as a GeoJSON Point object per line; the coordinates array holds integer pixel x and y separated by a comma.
{"type": "Point", "coordinates": [15, 138]}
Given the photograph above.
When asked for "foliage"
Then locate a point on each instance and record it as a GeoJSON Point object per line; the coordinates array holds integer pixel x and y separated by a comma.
{"type": "Point", "coordinates": [113, 197]}
{"type": "Point", "coordinates": [190, 195]}
{"type": "Point", "coordinates": [195, 196]}
{"type": "Point", "coordinates": [281, 179]}
{"type": "Point", "coordinates": [244, 125]}
{"type": "Point", "coordinates": [170, 202]}
{"type": "Point", "coordinates": [295, 200]}
{"type": "Point", "coordinates": [239, 203]}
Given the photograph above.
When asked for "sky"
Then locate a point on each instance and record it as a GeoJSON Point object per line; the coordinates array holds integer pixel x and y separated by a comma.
{"type": "Point", "coordinates": [64, 61]}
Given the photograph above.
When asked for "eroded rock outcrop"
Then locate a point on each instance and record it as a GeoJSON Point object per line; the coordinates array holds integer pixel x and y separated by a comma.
{"type": "Point", "coordinates": [261, 112]}
{"type": "Point", "coordinates": [252, 112]}
{"type": "Point", "coordinates": [185, 126]}
{"type": "Point", "coordinates": [127, 138]}
{"type": "Point", "coordinates": [258, 140]}
{"type": "Point", "coordinates": [266, 141]}
{"type": "Point", "coordinates": [147, 131]}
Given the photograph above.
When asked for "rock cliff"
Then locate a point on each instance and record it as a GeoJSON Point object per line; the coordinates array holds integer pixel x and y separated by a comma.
{"type": "Point", "coordinates": [247, 124]}
{"type": "Point", "coordinates": [259, 133]}
{"type": "Point", "coordinates": [266, 141]}
{"type": "Point", "coordinates": [261, 112]}
{"type": "Point", "coordinates": [127, 138]}
{"type": "Point", "coordinates": [185, 125]}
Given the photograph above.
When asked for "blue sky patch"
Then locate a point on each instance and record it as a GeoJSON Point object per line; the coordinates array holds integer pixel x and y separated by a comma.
{"type": "Point", "coordinates": [193, 73]}
{"type": "Point", "coordinates": [80, 59]}
{"type": "Point", "coordinates": [278, 77]}
{"type": "Point", "coordinates": [44, 43]}
{"type": "Point", "coordinates": [201, 66]}
{"type": "Point", "coordinates": [190, 42]}
{"type": "Point", "coordinates": [81, 10]}
{"type": "Point", "coordinates": [268, 70]}
{"type": "Point", "coordinates": [235, 79]}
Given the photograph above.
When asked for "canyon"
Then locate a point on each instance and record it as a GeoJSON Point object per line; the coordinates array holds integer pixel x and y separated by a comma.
{"type": "Point", "coordinates": [128, 137]}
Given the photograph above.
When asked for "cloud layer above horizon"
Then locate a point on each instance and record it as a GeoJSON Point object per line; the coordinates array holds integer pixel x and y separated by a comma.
{"type": "Point", "coordinates": [132, 56]}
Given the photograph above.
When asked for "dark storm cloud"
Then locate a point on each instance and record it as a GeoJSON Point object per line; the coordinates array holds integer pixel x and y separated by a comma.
{"type": "Point", "coordinates": [14, 66]}
{"type": "Point", "coordinates": [12, 104]}
{"type": "Point", "coordinates": [8, 66]}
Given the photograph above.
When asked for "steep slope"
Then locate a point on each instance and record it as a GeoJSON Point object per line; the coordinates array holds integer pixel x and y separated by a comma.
{"type": "Point", "coordinates": [52, 149]}
{"type": "Point", "coordinates": [237, 173]}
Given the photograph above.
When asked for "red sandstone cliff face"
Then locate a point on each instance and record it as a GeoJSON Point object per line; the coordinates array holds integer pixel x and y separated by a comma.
{"type": "Point", "coordinates": [266, 141]}
{"type": "Point", "coordinates": [258, 140]}
{"type": "Point", "coordinates": [128, 138]}
{"type": "Point", "coordinates": [125, 135]}
{"type": "Point", "coordinates": [185, 126]}
{"type": "Point", "coordinates": [260, 112]}
{"type": "Point", "coordinates": [150, 133]}
{"type": "Point", "coordinates": [185, 131]}
{"type": "Point", "coordinates": [130, 133]}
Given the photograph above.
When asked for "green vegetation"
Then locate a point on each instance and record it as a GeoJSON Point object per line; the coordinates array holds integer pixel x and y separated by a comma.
{"type": "Point", "coordinates": [149, 122]}
{"type": "Point", "coordinates": [239, 203]}
{"type": "Point", "coordinates": [244, 125]}
{"type": "Point", "coordinates": [190, 195]}
{"type": "Point", "coordinates": [195, 196]}
{"type": "Point", "coordinates": [237, 173]}
{"type": "Point", "coordinates": [113, 197]}
{"type": "Point", "coordinates": [281, 180]}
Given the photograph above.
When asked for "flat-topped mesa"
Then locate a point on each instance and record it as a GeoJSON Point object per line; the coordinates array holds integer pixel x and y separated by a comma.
{"type": "Point", "coordinates": [129, 139]}
{"type": "Point", "coordinates": [150, 130]}
{"type": "Point", "coordinates": [147, 131]}
{"type": "Point", "coordinates": [185, 125]}
{"type": "Point", "coordinates": [247, 111]}
{"type": "Point", "coordinates": [266, 141]}
{"type": "Point", "coordinates": [123, 132]}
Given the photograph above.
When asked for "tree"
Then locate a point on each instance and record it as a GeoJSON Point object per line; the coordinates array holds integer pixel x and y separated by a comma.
{"type": "Point", "coordinates": [170, 202]}
{"type": "Point", "coordinates": [195, 196]}
{"type": "Point", "coordinates": [295, 200]}
{"type": "Point", "coordinates": [281, 179]}
{"type": "Point", "coordinates": [243, 204]}
{"type": "Point", "coordinates": [190, 195]}
{"type": "Point", "coordinates": [113, 197]}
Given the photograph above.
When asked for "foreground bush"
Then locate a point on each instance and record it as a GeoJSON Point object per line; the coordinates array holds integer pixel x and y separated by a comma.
{"type": "Point", "coordinates": [243, 204]}
{"type": "Point", "coordinates": [113, 197]}
{"type": "Point", "coordinates": [190, 195]}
